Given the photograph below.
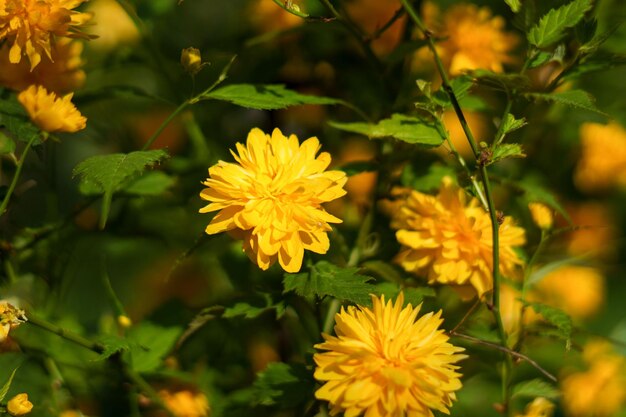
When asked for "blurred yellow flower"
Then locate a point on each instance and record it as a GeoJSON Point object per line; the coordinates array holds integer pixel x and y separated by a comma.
{"type": "Point", "coordinates": [577, 290]}
{"type": "Point", "coordinates": [191, 60]}
{"type": "Point", "coordinates": [113, 28]}
{"type": "Point", "coordinates": [603, 159]}
{"type": "Point", "coordinates": [471, 38]}
{"type": "Point", "coordinates": [30, 26]}
{"type": "Point", "coordinates": [511, 309]}
{"type": "Point", "coordinates": [601, 390]}
{"type": "Point", "coordinates": [541, 214]}
{"type": "Point", "coordinates": [540, 407]}
{"type": "Point", "coordinates": [185, 403]}
{"type": "Point", "coordinates": [449, 239]}
{"type": "Point", "coordinates": [267, 16]}
{"type": "Point", "coordinates": [372, 15]}
{"type": "Point", "coordinates": [62, 75]}
{"type": "Point", "coordinates": [272, 198]}
{"type": "Point", "coordinates": [51, 113]}
{"type": "Point", "coordinates": [385, 363]}
{"type": "Point", "coordinates": [10, 317]}
{"type": "Point", "coordinates": [596, 233]}
{"type": "Point", "coordinates": [19, 405]}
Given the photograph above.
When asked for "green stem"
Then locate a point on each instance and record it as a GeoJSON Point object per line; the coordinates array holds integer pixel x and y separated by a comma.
{"type": "Point", "coordinates": [166, 122]}
{"type": "Point", "coordinates": [16, 177]}
{"type": "Point", "coordinates": [65, 334]}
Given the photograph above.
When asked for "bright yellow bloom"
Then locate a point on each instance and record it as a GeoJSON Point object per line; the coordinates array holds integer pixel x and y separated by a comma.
{"type": "Point", "coordinates": [603, 160]}
{"type": "Point", "coordinates": [272, 198]}
{"type": "Point", "coordinates": [31, 26]}
{"type": "Point", "coordinates": [384, 363]}
{"type": "Point", "coordinates": [19, 405]}
{"type": "Point", "coordinates": [10, 317]}
{"type": "Point", "coordinates": [51, 113]}
{"type": "Point", "coordinates": [577, 290]}
{"type": "Point", "coordinates": [114, 28]}
{"type": "Point", "coordinates": [601, 390]}
{"type": "Point", "coordinates": [540, 407]}
{"type": "Point", "coordinates": [63, 75]}
{"type": "Point", "coordinates": [472, 39]}
{"type": "Point", "coordinates": [542, 215]}
{"type": "Point", "coordinates": [185, 403]}
{"type": "Point", "coordinates": [449, 239]}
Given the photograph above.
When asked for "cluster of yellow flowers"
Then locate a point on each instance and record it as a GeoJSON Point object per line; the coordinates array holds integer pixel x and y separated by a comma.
{"type": "Point", "coordinates": [40, 59]}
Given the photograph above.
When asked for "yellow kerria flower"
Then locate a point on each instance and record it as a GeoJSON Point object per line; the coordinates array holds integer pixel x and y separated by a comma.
{"type": "Point", "coordinates": [51, 113]}
{"type": "Point", "coordinates": [541, 214]}
{"type": "Point", "coordinates": [385, 363]}
{"type": "Point", "coordinates": [540, 407]}
{"type": "Point", "coordinates": [472, 38]}
{"type": "Point", "coordinates": [272, 198]}
{"type": "Point", "coordinates": [603, 160]}
{"type": "Point", "coordinates": [185, 403]}
{"type": "Point", "coordinates": [601, 390]}
{"type": "Point", "coordinates": [62, 76]}
{"type": "Point", "coordinates": [114, 28]}
{"type": "Point", "coordinates": [19, 405]}
{"type": "Point", "coordinates": [449, 239]}
{"type": "Point", "coordinates": [10, 317]}
{"type": "Point", "coordinates": [31, 26]}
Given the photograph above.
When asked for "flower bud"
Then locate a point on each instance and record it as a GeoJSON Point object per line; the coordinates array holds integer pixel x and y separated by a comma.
{"type": "Point", "coordinates": [19, 405]}
{"type": "Point", "coordinates": [541, 214]}
{"type": "Point", "coordinates": [124, 321]}
{"type": "Point", "coordinates": [191, 60]}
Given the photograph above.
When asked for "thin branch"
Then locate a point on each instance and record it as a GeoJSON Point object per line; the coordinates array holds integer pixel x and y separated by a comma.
{"type": "Point", "coordinates": [397, 15]}
{"type": "Point", "coordinates": [16, 177]}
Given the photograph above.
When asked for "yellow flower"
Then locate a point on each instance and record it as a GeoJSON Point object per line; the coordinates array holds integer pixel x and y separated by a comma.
{"type": "Point", "coordinates": [185, 403]}
{"type": "Point", "coordinates": [50, 113]}
{"type": "Point", "coordinates": [601, 390]}
{"type": "Point", "coordinates": [542, 215]}
{"type": "Point", "coordinates": [19, 405]}
{"type": "Point", "coordinates": [31, 26]}
{"type": "Point", "coordinates": [603, 160]}
{"type": "Point", "coordinates": [10, 317]}
{"type": "Point", "coordinates": [597, 231]}
{"type": "Point", "coordinates": [271, 198]}
{"type": "Point", "coordinates": [191, 60]}
{"type": "Point", "coordinates": [540, 407]}
{"type": "Point", "coordinates": [577, 290]}
{"type": "Point", "coordinates": [385, 363]}
{"type": "Point", "coordinates": [113, 28]}
{"type": "Point", "coordinates": [472, 38]}
{"type": "Point", "coordinates": [63, 75]}
{"type": "Point", "coordinates": [449, 239]}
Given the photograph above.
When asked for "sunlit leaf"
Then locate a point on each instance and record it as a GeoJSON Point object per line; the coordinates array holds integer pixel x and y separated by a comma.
{"type": "Point", "coordinates": [552, 26]}
{"type": "Point", "coordinates": [265, 97]}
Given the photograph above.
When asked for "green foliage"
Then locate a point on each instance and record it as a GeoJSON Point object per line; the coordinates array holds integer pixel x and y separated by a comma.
{"type": "Point", "coordinates": [326, 279]}
{"type": "Point", "coordinates": [265, 97]}
{"type": "Point", "coordinates": [150, 184]}
{"type": "Point", "coordinates": [113, 345]}
{"type": "Point", "coordinates": [7, 385]}
{"type": "Point", "coordinates": [106, 174]}
{"type": "Point", "coordinates": [405, 128]}
{"type": "Point", "coordinates": [249, 311]}
{"type": "Point", "coordinates": [505, 151]}
{"type": "Point", "coordinates": [558, 318]}
{"type": "Point", "coordinates": [552, 26]}
{"type": "Point", "coordinates": [535, 388]}
{"type": "Point", "coordinates": [573, 98]}
{"type": "Point", "coordinates": [7, 145]}
{"type": "Point", "coordinates": [284, 385]}
{"type": "Point", "coordinates": [148, 344]}
{"type": "Point", "coordinates": [515, 5]}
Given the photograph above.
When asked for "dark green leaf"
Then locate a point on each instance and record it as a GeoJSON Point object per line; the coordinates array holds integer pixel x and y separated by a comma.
{"type": "Point", "coordinates": [107, 174]}
{"type": "Point", "coordinates": [506, 150]}
{"type": "Point", "coordinates": [552, 26]}
{"type": "Point", "coordinates": [535, 388]}
{"type": "Point", "coordinates": [573, 98]}
{"type": "Point", "coordinates": [536, 192]}
{"type": "Point", "coordinates": [499, 81]}
{"type": "Point", "coordinates": [151, 183]}
{"type": "Point", "coordinates": [515, 5]}
{"type": "Point", "coordinates": [284, 385]}
{"type": "Point", "coordinates": [252, 311]}
{"type": "Point", "coordinates": [562, 322]}
{"type": "Point", "coordinates": [7, 385]}
{"type": "Point", "coordinates": [405, 128]}
{"type": "Point", "coordinates": [265, 97]}
{"type": "Point", "coordinates": [7, 145]}
{"type": "Point", "coordinates": [21, 127]}
{"type": "Point", "coordinates": [112, 345]}
{"type": "Point", "coordinates": [326, 279]}
{"type": "Point", "coordinates": [149, 344]}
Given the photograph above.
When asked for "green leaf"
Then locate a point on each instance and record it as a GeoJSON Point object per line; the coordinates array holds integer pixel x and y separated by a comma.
{"type": "Point", "coordinates": [506, 150]}
{"type": "Point", "coordinates": [112, 345]}
{"type": "Point", "coordinates": [573, 98]}
{"type": "Point", "coordinates": [21, 128]}
{"type": "Point", "coordinates": [326, 279]}
{"type": "Point", "coordinates": [536, 192]}
{"type": "Point", "coordinates": [107, 174]}
{"type": "Point", "coordinates": [251, 311]}
{"type": "Point", "coordinates": [265, 97]}
{"type": "Point", "coordinates": [535, 388]}
{"type": "Point", "coordinates": [499, 81]}
{"type": "Point", "coordinates": [552, 26]}
{"type": "Point", "coordinates": [511, 124]}
{"type": "Point", "coordinates": [515, 5]}
{"type": "Point", "coordinates": [460, 86]}
{"type": "Point", "coordinates": [405, 128]}
{"type": "Point", "coordinates": [556, 317]}
{"type": "Point", "coordinates": [150, 184]}
{"type": "Point", "coordinates": [432, 180]}
{"type": "Point", "coordinates": [284, 385]}
{"type": "Point", "coordinates": [5, 388]}
{"type": "Point", "coordinates": [149, 344]}
{"type": "Point", "coordinates": [7, 145]}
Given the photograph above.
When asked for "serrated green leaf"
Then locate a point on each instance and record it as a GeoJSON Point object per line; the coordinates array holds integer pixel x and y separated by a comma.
{"type": "Point", "coordinates": [265, 97]}
{"type": "Point", "coordinates": [149, 184]}
{"type": "Point", "coordinates": [112, 345]}
{"type": "Point", "coordinates": [515, 5]}
{"type": "Point", "coordinates": [284, 385]}
{"type": "Point", "coordinates": [535, 388]}
{"type": "Point", "coordinates": [512, 124]}
{"type": "Point", "coordinates": [7, 145]}
{"type": "Point", "coordinates": [506, 150]}
{"type": "Point", "coordinates": [556, 317]}
{"type": "Point", "coordinates": [7, 385]}
{"type": "Point", "coordinates": [598, 62]}
{"type": "Point", "coordinates": [250, 311]}
{"type": "Point", "coordinates": [460, 86]}
{"type": "Point", "coordinates": [405, 128]}
{"type": "Point", "coordinates": [22, 128]}
{"type": "Point", "coordinates": [358, 167]}
{"type": "Point", "coordinates": [149, 343]}
{"type": "Point", "coordinates": [500, 81]}
{"type": "Point", "coordinates": [326, 279]}
{"type": "Point", "coordinates": [573, 98]}
{"type": "Point", "coordinates": [552, 26]}
{"type": "Point", "coordinates": [107, 174]}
